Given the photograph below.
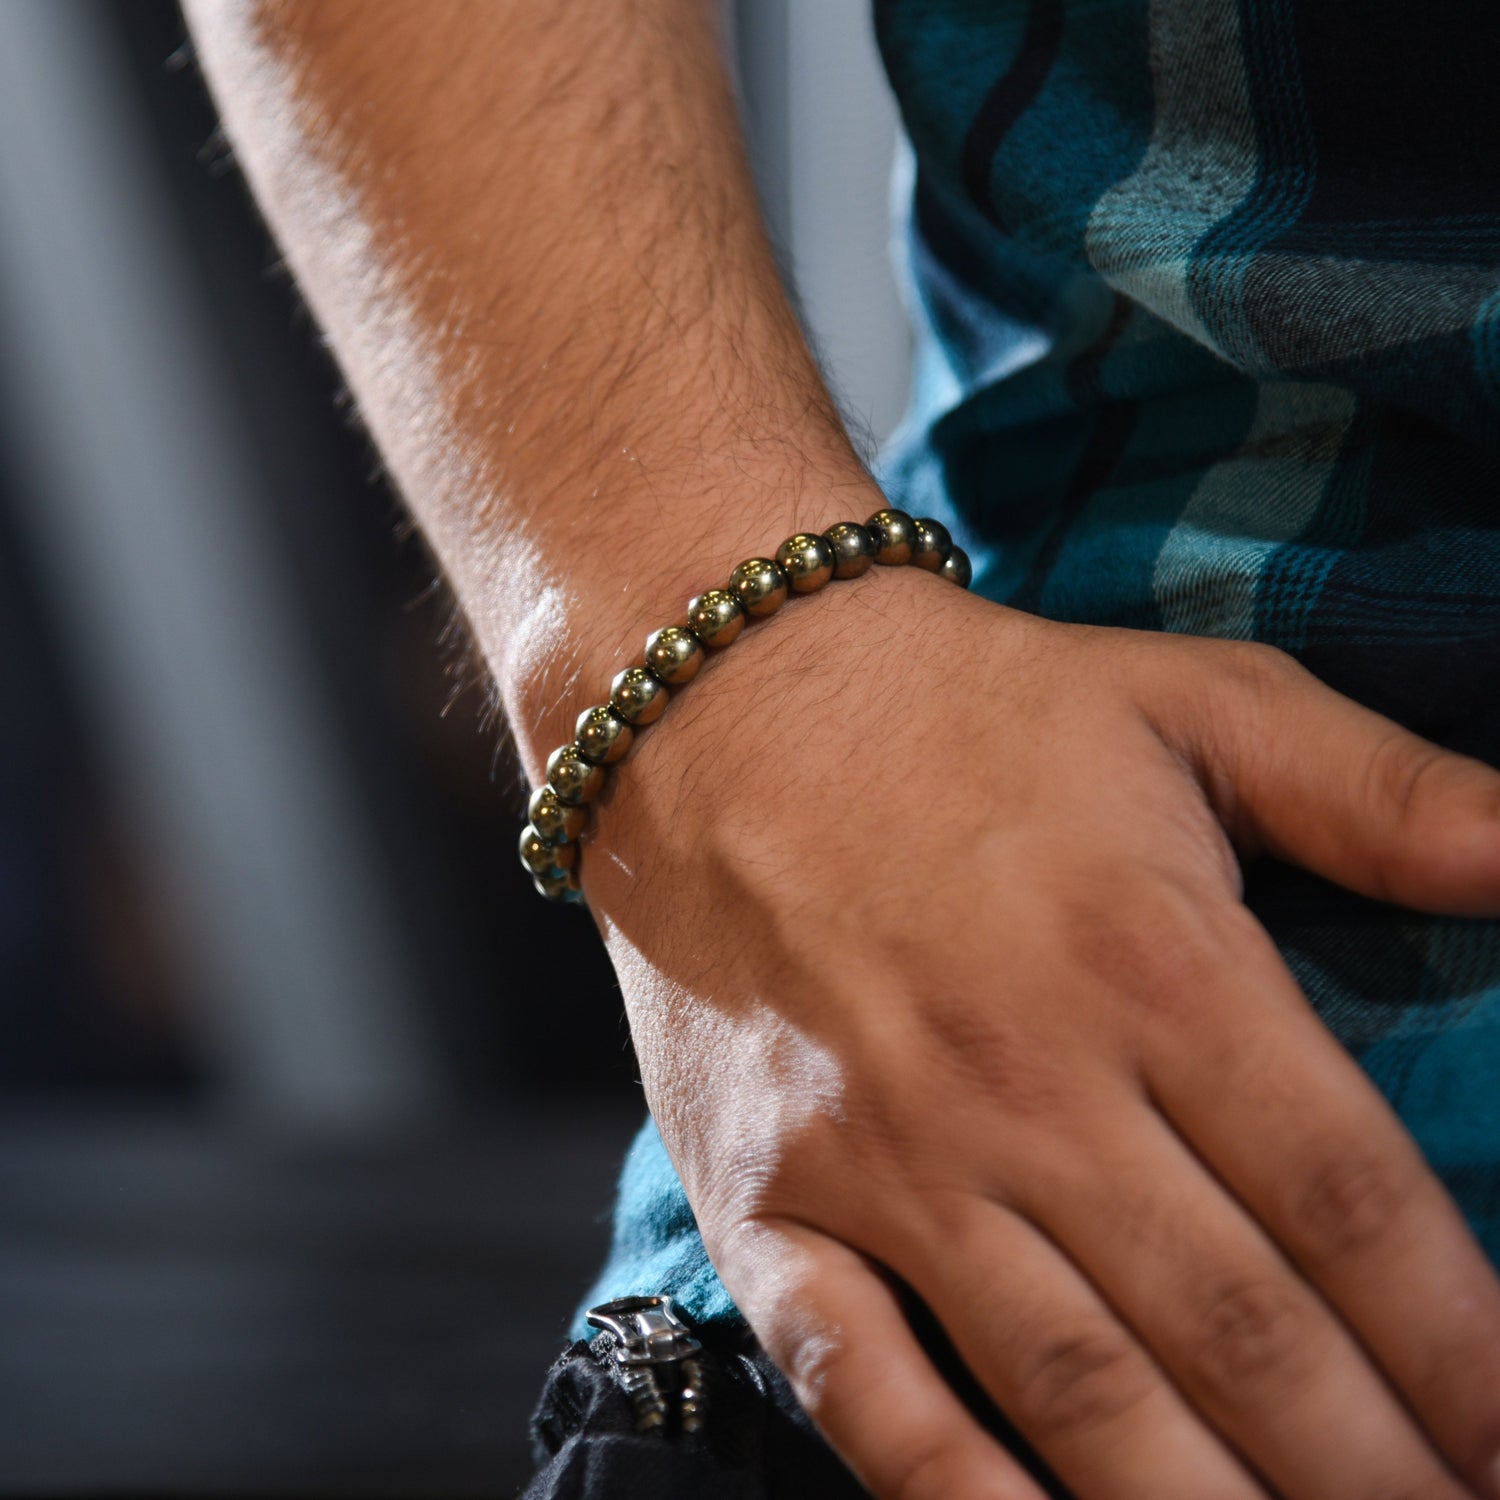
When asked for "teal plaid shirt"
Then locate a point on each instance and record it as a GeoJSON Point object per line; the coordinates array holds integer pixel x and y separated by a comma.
{"type": "Point", "coordinates": [1207, 295]}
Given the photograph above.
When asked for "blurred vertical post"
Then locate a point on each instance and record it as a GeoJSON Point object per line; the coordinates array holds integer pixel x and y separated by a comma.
{"type": "Point", "coordinates": [140, 513]}
{"type": "Point", "coordinates": [822, 128]}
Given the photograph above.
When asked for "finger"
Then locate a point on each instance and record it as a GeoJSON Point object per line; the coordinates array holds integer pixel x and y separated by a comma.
{"type": "Point", "coordinates": [837, 1332]}
{"type": "Point", "coordinates": [1292, 1126]}
{"type": "Point", "coordinates": [1245, 1338]}
{"type": "Point", "coordinates": [1077, 1384]}
{"type": "Point", "coordinates": [1311, 776]}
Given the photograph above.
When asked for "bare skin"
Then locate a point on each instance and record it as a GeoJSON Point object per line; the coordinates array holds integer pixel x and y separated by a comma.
{"type": "Point", "coordinates": [926, 912]}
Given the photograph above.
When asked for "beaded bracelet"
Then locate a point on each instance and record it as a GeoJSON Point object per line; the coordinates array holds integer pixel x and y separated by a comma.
{"type": "Point", "coordinates": [575, 772]}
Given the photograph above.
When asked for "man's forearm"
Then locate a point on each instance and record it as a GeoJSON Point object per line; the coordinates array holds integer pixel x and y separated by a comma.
{"type": "Point", "coordinates": [530, 236]}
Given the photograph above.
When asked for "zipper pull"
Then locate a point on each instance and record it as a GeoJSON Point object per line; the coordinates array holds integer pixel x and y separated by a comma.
{"type": "Point", "coordinates": [655, 1354]}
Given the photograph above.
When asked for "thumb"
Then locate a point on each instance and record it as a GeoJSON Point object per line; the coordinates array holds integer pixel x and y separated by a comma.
{"type": "Point", "coordinates": [1297, 770]}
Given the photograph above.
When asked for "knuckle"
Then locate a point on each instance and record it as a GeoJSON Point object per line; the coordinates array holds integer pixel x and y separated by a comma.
{"type": "Point", "coordinates": [1233, 688]}
{"type": "Point", "coordinates": [968, 1033]}
{"type": "Point", "coordinates": [1406, 783]}
{"type": "Point", "coordinates": [932, 1471]}
{"type": "Point", "coordinates": [1153, 942]}
{"type": "Point", "coordinates": [757, 1185]}
{"type": "Point", "coordinates": [1348, 1203]}
{"type": "Point", "coordinates": [1259, 668]}
{"type": "Point", "coordinates": [1079, 1379]}
{"type": "Point", "coordinates": [976, 1046]}
{"type": "Point", "coordinates": [1399, 770]}
{"type": "Point", "coordinates": [815, 1366]}
{"type": "Point", "coordinates": [1255, 1335]}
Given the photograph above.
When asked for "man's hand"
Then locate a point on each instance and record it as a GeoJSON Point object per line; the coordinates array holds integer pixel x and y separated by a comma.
{"type": "Point", "coordinates": [926, 912]}
{"type": "Point", "coordinates": [927, 915]}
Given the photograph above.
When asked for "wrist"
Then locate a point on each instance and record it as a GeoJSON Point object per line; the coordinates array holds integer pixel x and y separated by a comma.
{"type": "Point", "coordinates": [572, 627]}
{"type": "Point", "coordinates": [711, 795]}
{"type": "Point", "coordinates": [584, 770]}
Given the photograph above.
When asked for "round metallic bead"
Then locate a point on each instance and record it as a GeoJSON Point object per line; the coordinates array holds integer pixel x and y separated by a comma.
{"type": "Point", "coordinates": [542, 857]}
{"type": "Point", "coordinates": [895, 536]}
{"type": "Point", "coordinates": [674, 654]}
{"type": "Point", "coordinates": [556, 821]}
{"type": "Point", "coordinates": [807, 561]}
{"type": "Point", "coordinates": [602, 735]}
{"type": "Point", "coordinates": [853, 548]}
{"type": "Point", "coordinates": [637, 696]}
{"type": "Point", "coordinates": [932, 545]}
{"type": "Point", "coordinates": [572, 777]}
{"type": "Point", "coordinates": [715, 617]}
{"type": "Point", "coordinates": [559, 885]}
{"type": "Point", "coordinates": [759, 585]}
{"type": "Point", "coordinates": [957, 568]}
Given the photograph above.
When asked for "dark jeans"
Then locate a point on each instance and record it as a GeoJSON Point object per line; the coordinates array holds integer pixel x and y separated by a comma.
{"type": "Point", "coordinates": [756, 1444]}
{"type": "Point", "coordinates": [756, 1440]}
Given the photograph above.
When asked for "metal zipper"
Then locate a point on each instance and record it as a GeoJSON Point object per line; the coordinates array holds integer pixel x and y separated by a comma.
{"type": "Point", "coordinates": [657, 1360]}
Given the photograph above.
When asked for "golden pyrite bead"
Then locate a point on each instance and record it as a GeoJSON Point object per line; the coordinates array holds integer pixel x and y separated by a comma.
{"type": "Point", "coordinates": [715, 617]}
{"type": "Point", "coordinates": [759, 585]}
{"type": "Point", "coordinates": [895, 535]}
{"type": "Point", "coordinates": [932, 545]}
{"type": "Point", "coordinates": [572, 777]}
{"type": "Point", "coordinates": [807, 561]}
{"type": "Point", "coordinates": [544, 858]}
{"type": "Point", "coordinates": [602, 735]}
{"type": "Point", "coordinates": [957, 568]}
{"type": "Point", "coordinates": [674, 654]}
{"type": "Point", "coordinates": [560, 885]}
{"type": "Point", "coordinates": [853, 548]}
{"type": "Point", "coordinates": [637, 696]}
{"type": "Point", "coordinates": [556, 821]}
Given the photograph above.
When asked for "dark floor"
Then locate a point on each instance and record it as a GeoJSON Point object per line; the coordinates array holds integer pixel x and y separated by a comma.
{"type": "Point", "coordinates": [184, 1312]}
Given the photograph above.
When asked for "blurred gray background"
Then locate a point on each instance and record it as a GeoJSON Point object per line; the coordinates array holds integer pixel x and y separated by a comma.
{"type": "Point", "coordinates": [304, 1158]}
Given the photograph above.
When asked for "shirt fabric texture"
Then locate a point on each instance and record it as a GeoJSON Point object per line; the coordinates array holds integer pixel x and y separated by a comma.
{"type": "Point", "coordinates": [1207, 299]}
